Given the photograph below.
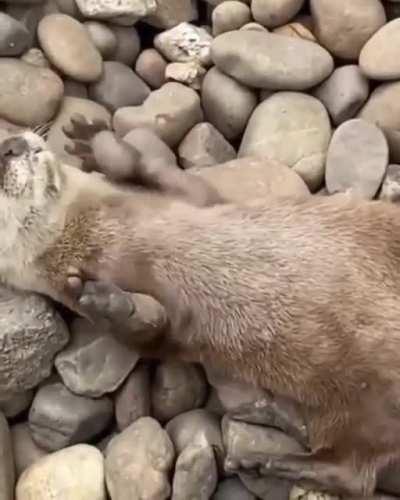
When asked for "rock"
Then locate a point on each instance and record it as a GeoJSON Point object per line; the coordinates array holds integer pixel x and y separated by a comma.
{"type": "Point", "coordinates": [254, 26]}
{"type": "Point", "coordinates": [7, 467]}
{"type": "Point", "coordinates": [276, 12]}
{"type": "Point", "coordinates": [118, 86]}
{"type": "Point", "coordinates": [150, 66]}
{"type": "Point", "coordinates": [295, 30]}
{"type": "Point", "coordinates": [75, 89]}
{"type": "Point", "coordinates": [114, 157]}
{"type": "Point", "coordinates": [196, 428]}
{"type": "Point", "coordinates": [57, 140]}
{"type": "Point", "coordinates": [170, 13]}
{"type": "Point", "coordinates": [229, 16]}
{"type": "Point", "coordinates": [31, 333]}
{"type": "Point", "coordinates": [13, 404]}
{"type": "Point", "coordinates": [152, 150]}
{"type": "Point", "coordinates": [58, 418]}
{"type": "Point", "coordinates": [378, 57]}
{"type": "Point", "coordinates": [267, 488]}
{"type": "Point", "coordinates": [298, 493]}
{"type": "Point", "coordinates": [36, 57]}
{"type": "Point", "coordinates": [103, 38]}
{"type": "Point", "coordinates": [75, 473]}
{"type": "Point", "coordinates": [94, 363]}
{"type": "Point", "coordinates": [383, 109]}
{"type": "Point", "coordinates": [128, 44]}
{"type": "Point", "coordinates": [218, 93]}
{"type": "Point", "coordinates": [204, 146]}
{"type": "Point", "coordinates": [298, 116]}
{"type": "Point", "coordinates": [343, 93]}
{"type": "Point", "coordinates": [28, 15]}
{"type": "Point", "coordinates": [232, 489]}
{"type": "Point", "coordinates": [138, 462]}
{"type": "Point", "coordinates": [357, 159]}
{"type": "Point", "coordinates": [68, 7]}
{"type": "Point", "coordinates": [282, 63]}
{"type": "Point", "coordinates": [345, 36]}
{"type": "Point", "coordinates": [29, 95]}
{"type": "Point", "coordinates": [390, 189]}
{"type": "Point", "coordinates": [69, 47]}
{"type": "Point", "coordinates": [251, 178]}
{"type": "Point", "coordinates": [177, 387]}
{"type": "Point", "coordinates": [14, 37]}
{"type": "Point", "coordinates": [195, 473]}
{"type": "Point", "coordinates": [170, 112]}
{"type": "Point", "coordinates": [185, 43]}
{"type": "Point", "coordinates": [132, 401]}
{"type": "Point", "coordinates": [131, 10]}
{"type": "Point", "coordinates": [190, 73]}
{"type": "Point", "coordinates": [26, 451]}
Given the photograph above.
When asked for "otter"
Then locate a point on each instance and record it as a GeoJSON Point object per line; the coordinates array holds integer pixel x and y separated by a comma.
{"type": "Point", "coordinates": [300, 297]}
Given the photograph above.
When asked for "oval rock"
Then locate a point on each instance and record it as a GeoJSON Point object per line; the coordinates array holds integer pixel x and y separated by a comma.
{"type": "Point", "coordinates": [292, 128]}
{"type": "Point", "coordinates": [379, 57]}
{"type": "Point", "coordinates": [69, 47]}
{"type": "Point", "coordinates": [357, 159]}
{"type": "Point", "coordinates": [282, 63]}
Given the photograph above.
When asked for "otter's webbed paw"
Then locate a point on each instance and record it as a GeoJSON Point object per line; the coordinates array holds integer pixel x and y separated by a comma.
{"type": "Point", "coordinates": [81, 132]}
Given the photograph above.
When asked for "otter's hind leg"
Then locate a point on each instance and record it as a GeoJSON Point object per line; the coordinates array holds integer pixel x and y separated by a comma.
{"type": "Point", "coordinates": [322, 470]}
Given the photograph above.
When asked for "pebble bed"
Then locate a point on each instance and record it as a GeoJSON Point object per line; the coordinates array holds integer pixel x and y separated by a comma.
{"type": "Point", "coordinates": [261, 97]}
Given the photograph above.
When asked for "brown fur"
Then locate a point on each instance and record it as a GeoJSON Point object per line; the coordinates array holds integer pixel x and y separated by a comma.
{"type": "Point", "coordinates": [298, 297]}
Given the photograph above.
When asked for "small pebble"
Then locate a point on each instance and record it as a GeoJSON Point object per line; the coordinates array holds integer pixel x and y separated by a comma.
{"type": "Point", "coordinates": [128, 44]}
{"type": "Point", "coordinates": [272, 13]}
{"type": "Point", "coordinates": [170, 13]}
{"type": "Point", "coordinates": [230, 15]}
{"type": "Point", "coordinates": [14, 37]}
{"type": "Point", "coordinates": [26, 451]}
{"type": "Point", "coordinates": [150, 66]}
{"type": "Point", "coordinates": [103, 38]}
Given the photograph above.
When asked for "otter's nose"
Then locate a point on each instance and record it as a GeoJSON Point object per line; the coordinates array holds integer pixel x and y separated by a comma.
{"type": "Point", "coordinates": [12, 147]}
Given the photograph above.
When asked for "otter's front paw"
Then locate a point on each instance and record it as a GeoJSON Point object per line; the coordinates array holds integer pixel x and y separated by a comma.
{"type": "Point", "coordinates": [100, 299]}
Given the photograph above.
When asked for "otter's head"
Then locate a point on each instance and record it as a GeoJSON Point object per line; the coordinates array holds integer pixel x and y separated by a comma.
{"type": "Point", "coordinates": [30, 177]}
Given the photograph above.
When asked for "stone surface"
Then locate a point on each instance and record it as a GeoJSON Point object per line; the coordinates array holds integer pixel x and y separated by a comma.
{"type": "Point", "coordinates": [170, 112]}
{"type": "Point", "coordinates": [282, 63]}
{"type": "Point", "coordinates": [229, 16]}
{"type": "Point", "coordinates": [189, 73]}
{"type": "Point", "coordinates": [272, 13]}
{"type": "Point", "coordinates": [357, 159]}
{"type": "Point", "coordinates": [7, 467]}
{"type": "Point", "coordinates": [28, 15]}
{"type": "Point", "coordinates": [295, 30]}
{"type": "Point", "coordinates": [31, 333]}
{"type": "Point", "coordinates": [75, 473]}
{"type": "Point", "coordinates": [232, 489]}
{"type": "Point", "coordinates": [195, 473]}
{"type": "Point", "coordinates": [118, 86]}
{"type": "Point", "coordinates": [26, 451]}
{"type": "Point", "coordinates": [29, 95]}
{"type": "Point", "coordinates": [345, 35]}
{"type": "Point", "coordinates": [128, 44]}
{"type": "Point", "coordinates": [177, 387]}
{"type": "Point", "coordinates": [71, 105]}
{"type": "Point", "coordinates": [75, 89]}
{"type": "Point", "coordinates": [94, 363]}
{"type": "Point", "coordinates": [218, 93]}
{"type": "Point", "coordinates": [196, 427]}
{"type": "Point", "coordinates": [343, 93]}
{"type": "Point", "coordinates": [138, 462]}
{"type": "Point", "coordinates": [379, 58]}
{"type": "Point", "coordinates": [132, 401]}
{"type": "Point", "coordinates": [204, 146]}
{"type": "Point", "coordinates": [106, 9]}
{"type": "Point", "coordinates": [300, 117]}
{"type": "Point", "coordinates": [13, 404]}
{"type": "Point", "coordinates": [103, 38]}
{"type": "Point", "coordinates": [383, 109]}
{"type": "Point", "coordinates": [268, 488]}
{"type": "Point", "coordinates": [185, 43]}
{"type": "Point", "coordinates": [251, 178]}
{"type": "Point", "coordinates": [58, 418]}
{"type": "Point", "coordinates": [69, 47]}
{"type": "Point", "coordinates": [390, 189]}
{"type": "Point", "coordinates": [170, 13]}
{"type": "Point", "coordinates": [36, 57]}
{"type": "Point", "coordinates": [298, 493]}
{"type": "Point", "coordinates": [14, 37]}
{"type": "Point", "coordinates": [150, 66]}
